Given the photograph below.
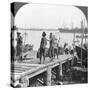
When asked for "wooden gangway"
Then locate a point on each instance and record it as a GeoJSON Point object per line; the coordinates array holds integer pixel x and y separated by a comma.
{"type": "Point", "coordinates": [24, 71]}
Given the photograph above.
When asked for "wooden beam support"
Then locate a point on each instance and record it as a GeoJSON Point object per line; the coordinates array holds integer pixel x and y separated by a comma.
{"type": "Point", "coordinates": [48, 76]}
{"type": "Point", "coordinates": [59, 73]}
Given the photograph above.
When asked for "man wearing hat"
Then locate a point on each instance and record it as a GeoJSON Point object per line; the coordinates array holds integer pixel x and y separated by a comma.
{"type": "Point", "coordinates": [43, 47]}
{"type": "Point", "coordinates": [19, 46]}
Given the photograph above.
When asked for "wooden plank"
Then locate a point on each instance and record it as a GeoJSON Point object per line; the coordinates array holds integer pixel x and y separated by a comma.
{"type": "Point", "coordinates": [17, 71]}
{"type": "Point", "coordinates": [22, 68]}
{"type": "Point", "coordinates": [41, 68]}
{"type": "Point", "coordinates": [19, 65]}
{"type": "Point", "coordinates": [27, 65]}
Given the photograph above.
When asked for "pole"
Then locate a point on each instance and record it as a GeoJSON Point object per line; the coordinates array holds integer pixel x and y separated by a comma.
{"type": "Point", "coordinates": [82, 40]}
{"type": "Point", "coordinates": [73, 45]}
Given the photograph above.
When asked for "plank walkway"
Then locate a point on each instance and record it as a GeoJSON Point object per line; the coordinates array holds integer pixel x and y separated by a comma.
{"type": "Point", "coordinates": [31, 68]}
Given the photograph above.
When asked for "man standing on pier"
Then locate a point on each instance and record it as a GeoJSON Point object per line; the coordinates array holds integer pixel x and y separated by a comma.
{"type": "Point", "coordinates": [43, 47]}
{"type": "Point", "coordinates": [19, 46]}
{"type": "Point", "coordinates": [51, 48]}
{"type": "Point", "coordinates": [55, 46]}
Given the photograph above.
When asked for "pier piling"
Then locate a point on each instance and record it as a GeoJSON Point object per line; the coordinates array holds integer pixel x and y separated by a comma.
{"type": "Point", "coordinates": [48, 76]}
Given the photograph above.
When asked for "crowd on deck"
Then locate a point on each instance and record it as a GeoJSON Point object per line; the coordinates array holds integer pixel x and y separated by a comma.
{"type": "Point", "coordinates": [54, 47]}
{"type": "Point", "coordinates": [53, 51]}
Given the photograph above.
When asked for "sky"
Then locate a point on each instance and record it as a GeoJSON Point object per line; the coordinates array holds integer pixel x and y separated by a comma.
{"type": "Point", "coordinates": [49, 17]}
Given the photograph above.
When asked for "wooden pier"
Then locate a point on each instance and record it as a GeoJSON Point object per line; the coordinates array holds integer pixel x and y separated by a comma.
{"type": "Point", "coordinates": [22, 72]}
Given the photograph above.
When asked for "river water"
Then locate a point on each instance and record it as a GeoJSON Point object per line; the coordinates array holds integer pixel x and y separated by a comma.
{"type": "Point", "coordinates": [34, 38]}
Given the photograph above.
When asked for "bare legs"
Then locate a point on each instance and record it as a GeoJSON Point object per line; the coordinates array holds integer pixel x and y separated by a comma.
{"type": "Point", "coordinates": [42, 55]}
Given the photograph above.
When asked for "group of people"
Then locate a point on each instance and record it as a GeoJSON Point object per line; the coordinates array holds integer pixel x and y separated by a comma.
{"type": "Point", "coordinates": [53, 46]}
{"type": "Point", "coordinates": [53, 49]}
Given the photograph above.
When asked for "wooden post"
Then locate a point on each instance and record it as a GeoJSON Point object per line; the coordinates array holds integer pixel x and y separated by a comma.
{"type": "Point", "coordinates": [48, 76]}
{"type": "Point", "coordinates": [82, 34]}
{"type": "Point", "coordinates": [73, 44]}
{"type": "Point", "coordinates": [24, 82]}
{"type": "Point", "coordinates": [59, 73]}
